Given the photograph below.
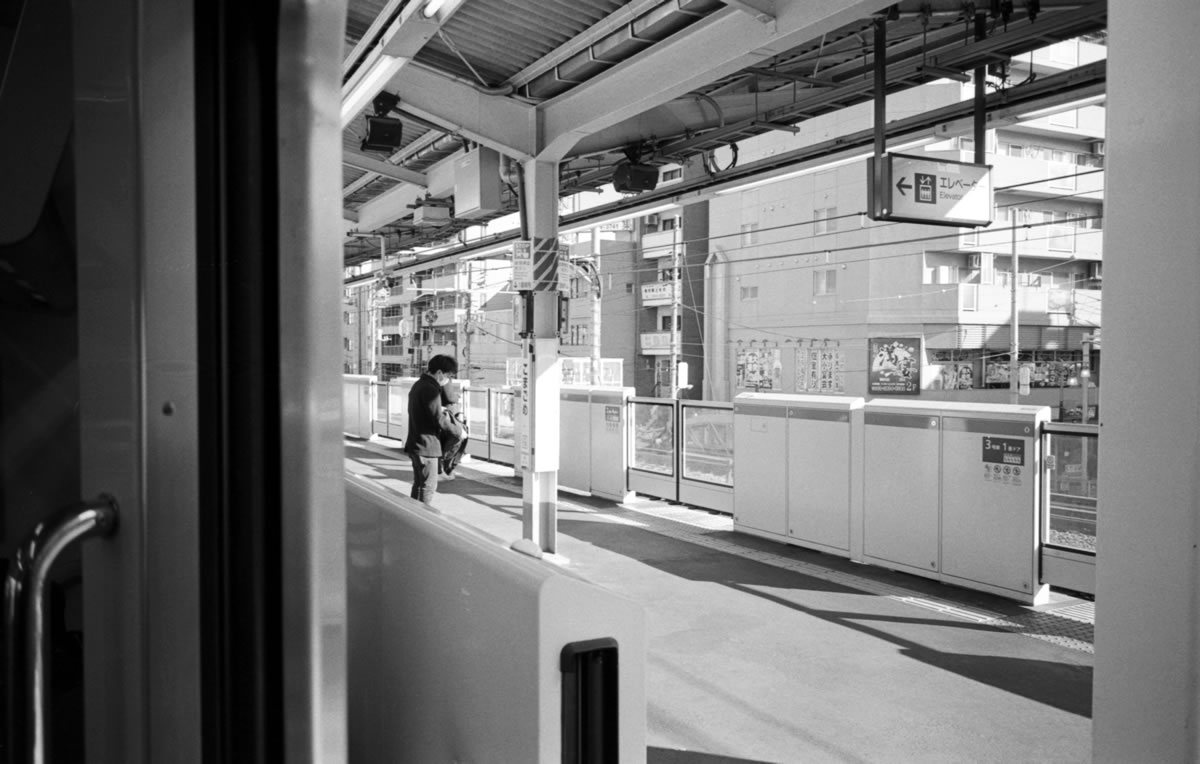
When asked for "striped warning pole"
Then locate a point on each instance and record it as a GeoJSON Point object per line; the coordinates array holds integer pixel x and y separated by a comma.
{"type": "Point", "coordinates": [545, 264]}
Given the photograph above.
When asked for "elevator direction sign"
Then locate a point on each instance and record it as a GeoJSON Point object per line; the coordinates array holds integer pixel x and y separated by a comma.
{"type": "Point", "coordinates": [916, 189]}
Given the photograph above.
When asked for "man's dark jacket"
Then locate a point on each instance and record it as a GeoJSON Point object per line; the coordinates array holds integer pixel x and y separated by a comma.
{"type": "Point", "coordinates": [427, 419]}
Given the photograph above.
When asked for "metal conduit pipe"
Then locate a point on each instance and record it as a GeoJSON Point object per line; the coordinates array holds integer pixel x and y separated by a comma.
{"type": "Point", "coordinates": [433, 153]}
{"type": "Point", "coordinates": [651, 27]}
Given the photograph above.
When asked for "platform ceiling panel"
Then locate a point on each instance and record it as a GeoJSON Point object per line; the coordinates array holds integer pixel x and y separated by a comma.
{"type": "Point", "coordinates": [499, 39]}
{"type": "Point", "coordinates": [534, 54]}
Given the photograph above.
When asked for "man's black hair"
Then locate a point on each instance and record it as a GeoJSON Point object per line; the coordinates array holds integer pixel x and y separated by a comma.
{"type": "Point", "coordinates": [443, 363]}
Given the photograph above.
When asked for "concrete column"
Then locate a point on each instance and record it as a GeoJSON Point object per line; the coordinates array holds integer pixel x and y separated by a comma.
{"type": "Point", "coordinates": [1145, 696]}
{"type": "Point", "coordinates": [540, 391]}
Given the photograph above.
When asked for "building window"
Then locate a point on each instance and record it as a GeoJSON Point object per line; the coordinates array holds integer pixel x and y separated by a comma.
{"type": "Point", "coordinates": [749, 293]}
{"type": "Point", "coordinates": [1061, 236]}
{"type": "Point", "coordinates": [628, 287]}
{"type": "Point", "coordinates": [669, 224]}
{"type": "Point", "coordinates": [665, 322]}
{"type": "Point", "coordinates": [824, 220]}
{"type": "Point", "coordinates": [942, 274]}
{"type": "Point", "coordinates": [579, 334]}
{"type": "Point", "coordinates": [825, 282]}
{"type": "Point", "coordinates": [749, 234]}
{"type": "Point", "coordinates": [669, 175]}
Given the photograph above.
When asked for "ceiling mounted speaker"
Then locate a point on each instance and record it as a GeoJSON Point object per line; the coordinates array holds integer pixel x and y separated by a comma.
{"type": "Point", "coordinates": [383, 134]}
{"type": "Point", "coordinates": [633, 178]}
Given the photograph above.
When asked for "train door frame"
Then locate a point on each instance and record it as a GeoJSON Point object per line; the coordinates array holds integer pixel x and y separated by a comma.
{"type": "Point", "coordinates": [207, 145]}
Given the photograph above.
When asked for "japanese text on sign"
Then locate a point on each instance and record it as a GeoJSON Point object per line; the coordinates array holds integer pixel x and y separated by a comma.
{"type": "Point", "coordinates": [1003, 451]}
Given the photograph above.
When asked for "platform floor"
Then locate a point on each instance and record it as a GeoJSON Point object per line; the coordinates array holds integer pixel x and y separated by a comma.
{"type": "Point", "coordinates": [764, 652]}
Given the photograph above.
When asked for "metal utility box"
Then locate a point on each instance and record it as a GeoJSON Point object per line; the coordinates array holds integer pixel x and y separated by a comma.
{"type": "Point", "coordinates": [609, 437]}
{"type": "Point", "coordinates": [795, 468]}
{"type": "Point", "coordinates": [759, 482]}
{"type": "Point", "coordinates": [952, 491]}
{"type": "Point", "coordinates": [592, 452]}
{"type": "Point", "coordinates": [575, 450]}
{"type": "Point", "coordinates": [823, 461]}
{"type": "Point", "coordinates": [358, 404]}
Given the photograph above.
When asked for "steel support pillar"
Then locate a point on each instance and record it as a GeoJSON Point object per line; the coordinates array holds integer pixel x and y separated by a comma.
{"type": "Point", "coordinates": [539, 403]}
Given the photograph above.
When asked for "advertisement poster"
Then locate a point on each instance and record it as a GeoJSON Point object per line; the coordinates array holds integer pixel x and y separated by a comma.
{"type": "Point", "coordinates": [895, 366]}
{"type": "Point", "coordinates": [760, 368]}
{"type": "Point", "coordinates": [956, 375]}
{"type": "Point", "coordinates": [820, 370]}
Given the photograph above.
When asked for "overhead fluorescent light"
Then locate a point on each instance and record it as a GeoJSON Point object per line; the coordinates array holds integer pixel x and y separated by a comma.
{"type": "Point", "coordinates": [1061, 107]}
{"type": "Point", "coordinates": [366, 87]}
{"type": "Point", "coordinates": [821, 167]}
{"type": "Point", "coordinates": [431, 8]}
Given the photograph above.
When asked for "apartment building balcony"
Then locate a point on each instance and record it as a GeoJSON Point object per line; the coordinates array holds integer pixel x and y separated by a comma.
{"type": "Point", "coordinates": [992, 304]}
{"type": "Point", "coordinates": [1047, 178]}
{"type": "Point", "coordinates": [1065, 241]}
{"type": "Point", "coordinates": [662, 244]}
{"type": "Point", "coordinates": [444, 283]}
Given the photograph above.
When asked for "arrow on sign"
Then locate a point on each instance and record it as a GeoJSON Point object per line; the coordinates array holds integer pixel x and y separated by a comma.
{"type": "Point", "coordinates": [901, 185]}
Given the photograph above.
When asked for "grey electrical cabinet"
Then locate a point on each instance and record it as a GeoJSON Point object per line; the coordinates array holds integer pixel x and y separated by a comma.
{"type": "Point", "coordinates": [952, 491]}
{"type": "Point", "coordinates": [796, 467]}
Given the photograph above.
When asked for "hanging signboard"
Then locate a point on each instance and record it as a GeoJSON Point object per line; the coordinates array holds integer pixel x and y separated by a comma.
{"type": "Point", "coordinates": [914, 189]}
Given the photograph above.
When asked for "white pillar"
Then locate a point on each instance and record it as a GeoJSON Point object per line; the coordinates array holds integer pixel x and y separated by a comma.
{"type": "Point", "coordinates": [540, 403]}
{"type": "Point", "coordinates": [1145, 691]}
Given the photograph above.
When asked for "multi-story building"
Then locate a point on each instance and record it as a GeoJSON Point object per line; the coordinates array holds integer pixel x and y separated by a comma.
{"type": "Point", "coordinates": [394, 322]}
{"type": "Point", "coordinates": [787, 285]}
{"type": "Point", "coordinates": [801, 292]}
{"type": "Point", "coordinates": [600, 278]}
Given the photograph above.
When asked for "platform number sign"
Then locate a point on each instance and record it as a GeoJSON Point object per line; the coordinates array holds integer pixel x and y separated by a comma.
{"type": "Point", "coordinates": [1003, 460]}
{"type": "Point", "coordinates": [1009, 451]}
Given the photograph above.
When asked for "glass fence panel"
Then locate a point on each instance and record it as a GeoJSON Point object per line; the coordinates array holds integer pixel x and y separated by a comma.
{"type": "Point", "coordinates": [654, 437]}
{"type": "Point", "coordinates": [477, 413]}
{"type": "Point", "coordinates": [708, 444]}
{"type": "Point", "coordinates": [381, 401]}
{"type": "Point", "coordinates": [1071, 474]}
{"type": "Point", "coordinates": [502, 419]}
{"type": "Point", "coordinates": [398, 400]}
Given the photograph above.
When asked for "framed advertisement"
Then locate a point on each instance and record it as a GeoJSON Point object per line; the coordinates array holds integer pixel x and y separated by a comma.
{"type": "Point", "coordinates": [894, 366]}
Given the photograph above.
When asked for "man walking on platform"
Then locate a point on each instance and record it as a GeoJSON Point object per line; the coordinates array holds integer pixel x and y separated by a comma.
{"type": "Point", "coordinates": [428, 421]}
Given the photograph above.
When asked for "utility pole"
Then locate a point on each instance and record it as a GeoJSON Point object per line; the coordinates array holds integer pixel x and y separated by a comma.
{"type": "Point", "coordinates": [593, 273]}
{"type": "Point", "coordinates": [675, 295]}
{"type": "Point", "coordinates": [1014, 340]}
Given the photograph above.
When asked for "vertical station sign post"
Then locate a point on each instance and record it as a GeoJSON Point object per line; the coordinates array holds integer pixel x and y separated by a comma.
{"type": "Point", "coordinates": [523, 282]}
